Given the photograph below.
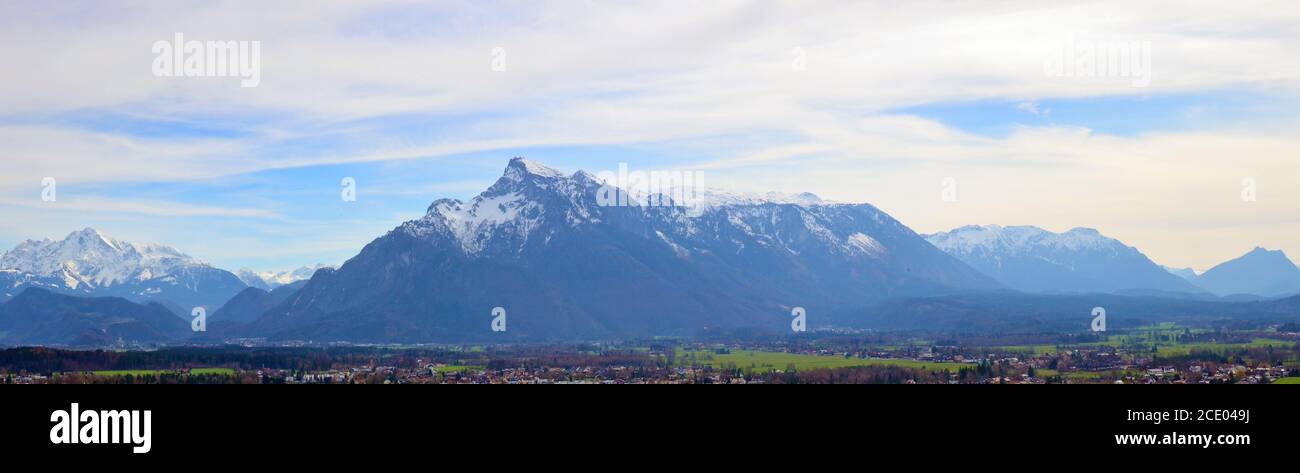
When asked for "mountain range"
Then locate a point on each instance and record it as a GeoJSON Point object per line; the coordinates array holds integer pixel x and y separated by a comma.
{"type": "Point", "coordinates": [269, 280]}
{"type": "Point", "coordinates": [40, 317]}
{"type": "Point", "coordinates": [565, 263]}
{"type": "Point", "coordinates": [89, 263]}
{"type": "Point", "coordinates": [538, 244]}
{"type": "Point", "coordinates": [1081, 260]}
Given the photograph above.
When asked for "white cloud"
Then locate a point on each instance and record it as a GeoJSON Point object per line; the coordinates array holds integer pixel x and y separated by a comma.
{"type": "Point", "coordinates": [105, 204]}
{"type": "Point", "coordinates": [650, 72]}
{"type": "Point", "coordinates": [322, 62]}
{"type": "Point", "coordinates": [1175, 195]}
{"type": "Point", "coordinates": [1033, 109]}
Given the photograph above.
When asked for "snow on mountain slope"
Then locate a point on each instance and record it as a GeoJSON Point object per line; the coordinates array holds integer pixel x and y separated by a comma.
{"type": "Point", "coordinates": [89, 257]}
{"type": "Point", "coordinates": [89, 263]}
{"type": "Point", "coordinates": [517, 205]}
{"type": "Point", "coordinates": [541, 243]}
{"type": "Point", "coordinates": [475, 222]}
{"type": "Point", "coordinates": [1035, 260]}
{"type": "Point", "coordinates": [1020, 240]}
{"type": "Point", "coordinates": [700, 200]}
{"type": "Point", "coordinates": [267, 280]}
{"type": "Point", "coordinates": [252, 278]}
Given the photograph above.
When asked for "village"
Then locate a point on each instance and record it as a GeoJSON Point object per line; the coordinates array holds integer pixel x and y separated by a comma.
{"type": "Point", "coordinates": [1151, 355]}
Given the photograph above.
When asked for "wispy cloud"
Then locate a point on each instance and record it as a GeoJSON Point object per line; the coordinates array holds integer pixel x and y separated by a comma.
{"type": "Point", "coordinates": [350, 87]}
{"type": "Point", "coordinates": [155, 208]}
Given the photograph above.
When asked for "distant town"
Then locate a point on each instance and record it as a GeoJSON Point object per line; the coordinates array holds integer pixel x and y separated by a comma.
{"type": "Point", "coordinates": [1158, 354]}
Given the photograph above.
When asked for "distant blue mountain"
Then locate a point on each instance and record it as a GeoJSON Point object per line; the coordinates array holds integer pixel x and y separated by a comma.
{"type": "Point", "coordinates": [1188, 274]}
{"type": "Point", "coordinates": [1081, 260]}
{"type": "Point", "coordinates": [252, 302]}
{"type": "Point", "coordinates": [1260, 272]}
{"type": "Point", "coordinates": [41, 317]}
{"type": "Point", "coordinates": [539, 244]}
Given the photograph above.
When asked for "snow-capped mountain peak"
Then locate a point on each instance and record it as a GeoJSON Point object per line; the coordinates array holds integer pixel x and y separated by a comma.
{"type": "Point", "coordinates": [90, 257]}
{"type": "Point", "coordinates": [531, 198]}
{"type": "Point", "coordinates": [89, 263]}
{"type": "Point", "coordinates": [1018, 239]}
{"type": "Point", "coordinates": [268, 280]}
{"type": "Point", "coordinates": [1036, 260]}
{"type": "Point", "coordinates": [562, 248]}
{"type": "Point", "coordinates": [1085, 238]}
{"type": "Point", "coordinates": [706, 199]}
{"type": "Point", "coordinates": [520, 168]}
{"type": "Point", "coordinates": [474, 223]}
{"type": "Point", "coordinates": [514, 207]}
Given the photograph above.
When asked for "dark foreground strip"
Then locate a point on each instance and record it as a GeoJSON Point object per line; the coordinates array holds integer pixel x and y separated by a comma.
{"type": "Point", "coordinates": [320, 425]}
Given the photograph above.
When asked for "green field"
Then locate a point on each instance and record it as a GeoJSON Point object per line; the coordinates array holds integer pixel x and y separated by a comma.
{"type": "Point", "coordinates": [1287, 381]}
{"type": "Point", "coordinates": [1182, 349]}
{"type": "Point", "coordinates": [456, 368]}
{"type": "Point", "coordinates": [763, 361]}
{"type": "Point", "coordinates": [194, 371]}
{"type": "Point", "coordinates": [1031, 349]}
{"type": "Point", "coordinates": [1083, 375]}
{"type": "Point", "coordinates": [1142, 342]}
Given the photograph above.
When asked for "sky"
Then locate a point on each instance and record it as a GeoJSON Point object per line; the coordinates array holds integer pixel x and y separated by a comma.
{"type": "Point", "coordinates": [942, 114]}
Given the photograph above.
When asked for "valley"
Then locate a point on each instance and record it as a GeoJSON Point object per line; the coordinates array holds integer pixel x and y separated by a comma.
{"type": "Point", "coordinates": [1161, 354]}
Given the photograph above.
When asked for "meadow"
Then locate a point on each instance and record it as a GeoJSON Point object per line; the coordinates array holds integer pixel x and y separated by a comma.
{"type": "Point", "coordinates": [1164, 339]}
{"type": "Point", "coordinates": [764, 361]}
{"type": "Point", "coordinates": [194, 371]}
{"type": "Point", "coordinates": [444, 369]}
